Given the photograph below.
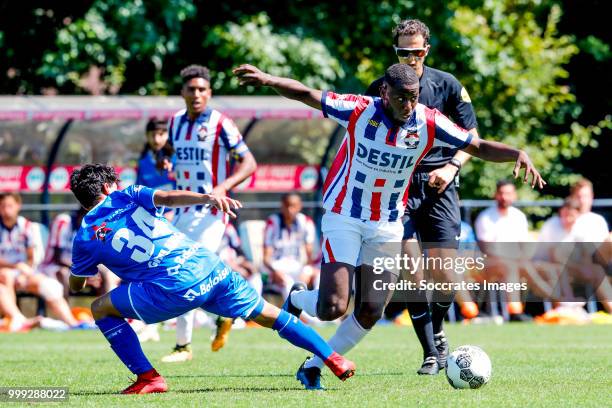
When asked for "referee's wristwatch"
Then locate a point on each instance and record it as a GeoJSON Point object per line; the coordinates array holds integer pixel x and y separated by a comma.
{"type": "Point", "coordinates": [456, 163]}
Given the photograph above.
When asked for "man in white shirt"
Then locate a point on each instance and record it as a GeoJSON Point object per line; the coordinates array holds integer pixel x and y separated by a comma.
{"type": "Point", "coordinates": [505, 224]}
{"type": "Point", "coordinates": [590, 227]}
{"type": "Point", "coordinates": [18, 268]}
{"type": "Point", "coordinates": [566, 243]}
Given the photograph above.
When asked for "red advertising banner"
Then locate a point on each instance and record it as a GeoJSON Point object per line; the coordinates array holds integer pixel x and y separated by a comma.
{"type": "Point", "coordinates": [30, 179]}
{"type": "Point", "coordinates": [280, 178]}
{"type": "Point", "coordinates": [267, 178]}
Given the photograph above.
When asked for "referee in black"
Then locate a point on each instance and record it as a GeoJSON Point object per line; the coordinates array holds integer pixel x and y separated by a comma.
{"type": "Point", "coordinates": [433, 203]}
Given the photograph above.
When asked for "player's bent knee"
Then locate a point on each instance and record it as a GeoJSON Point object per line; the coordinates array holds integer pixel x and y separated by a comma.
{"type": "Point", "coordinates": [50, 289]}
{"type": "Point", "coordinates": [368, 314]}
{"type": "Point", "coordinates": [96, 309]}
{"type": "Point", "coordinates": [333, 310]}
{"type": "Point", "coordinates": [99, 308]}
{"type": "Point", "coordinates": [6, 277]}
{"type": "Point", "coordinates": [265, 315]}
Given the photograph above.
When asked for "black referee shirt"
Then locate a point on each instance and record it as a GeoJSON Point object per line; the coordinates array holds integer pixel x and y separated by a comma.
{"type": "Point", "coordinates": [442, 91]}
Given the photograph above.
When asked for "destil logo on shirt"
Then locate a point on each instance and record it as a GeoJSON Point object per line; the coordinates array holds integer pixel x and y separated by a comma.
{"type": "Point", "coordinates": [384, 159]}
{"type": "Point", "coordinates": [192, 154]}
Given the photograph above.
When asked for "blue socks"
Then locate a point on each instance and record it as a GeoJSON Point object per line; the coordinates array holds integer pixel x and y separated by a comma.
{"type": "Point", "coordinates": [124, 343]}
{"type": "Point", "coordinates": [297, 333]}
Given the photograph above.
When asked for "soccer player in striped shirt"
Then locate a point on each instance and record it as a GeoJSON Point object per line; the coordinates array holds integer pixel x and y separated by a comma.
{"type": "Point", "coordinates": [204, 140]}
{"type": "Point", "coordinates": [433, 203]}
{"type": "Point", "coordinates": [366, 190]}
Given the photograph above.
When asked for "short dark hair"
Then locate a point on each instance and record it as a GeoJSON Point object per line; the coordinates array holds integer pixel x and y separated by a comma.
{"type": "Point", "coordinates": [400, 75]}
{"type": "Point", "coordinates": [195, 71]}
{"type": "Point", "coordinates": [411, 27]}
{"type": "Point", "coordinates": [286, 196]}
{"type": "Point", "coordinates": [156, 124]}
{"type": "Point", "coordinates": [15, 195]}
{"type": "Point", "coordinates": [503, 183]}
{"type": "Point", "coordinates": [86, 183]}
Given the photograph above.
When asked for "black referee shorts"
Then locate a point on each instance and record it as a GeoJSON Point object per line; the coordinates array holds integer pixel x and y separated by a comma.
{"type": "Point", "coordinates": [434, 218]}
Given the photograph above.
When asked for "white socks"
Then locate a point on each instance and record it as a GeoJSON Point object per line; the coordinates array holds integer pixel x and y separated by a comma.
{"type": "Point", "coordinates": [184, 328]}
{"type": "Point", "coordinates": [348, 334]}
{"type": "Point", "coordinates": [306, 300]}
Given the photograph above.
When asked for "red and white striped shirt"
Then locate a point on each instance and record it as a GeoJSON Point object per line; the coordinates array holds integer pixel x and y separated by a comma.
{"type": "Point", "coordinates": [370, 175]}
{"type": "Point", "coordinates": [60, 237]}
{"type": "Point", "coordinates": [288, 240]}
{"type": "Point", "coordinates": [15, 241]}
{"type": "Point", "coordinates": [203, 148]}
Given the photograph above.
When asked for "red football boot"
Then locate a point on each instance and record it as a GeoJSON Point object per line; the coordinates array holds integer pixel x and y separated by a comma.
{"type": "Point", "coordinates": [147, 383]}
{"type": "Point", "coordinates": [340, 366]}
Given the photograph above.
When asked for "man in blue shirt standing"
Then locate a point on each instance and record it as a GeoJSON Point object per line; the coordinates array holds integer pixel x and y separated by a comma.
{"type": "Point", "coordinates": [164, 274]}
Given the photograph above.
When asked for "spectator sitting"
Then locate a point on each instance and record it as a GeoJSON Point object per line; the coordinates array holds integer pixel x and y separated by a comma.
{"type": "Point", "coordinates": [17, 267]}
{"type": "Point", "coordinates": [58, 254]}
{"type": "Point", "coordinates": [230, 251]}
{"type": "Point", "coordinates": [287, 237]}
{"type": "Point", "coordinates": [504, 224]}
{"type": "Point", "coordinates": [590, 227]}
{"type": "Point", "coordinates": [558, 238]}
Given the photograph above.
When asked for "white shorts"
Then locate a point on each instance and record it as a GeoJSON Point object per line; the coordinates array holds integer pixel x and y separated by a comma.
{"type": "Point", "coordinates": [203, 227]}
{"type": "Point", "coordinates": [345, 238]}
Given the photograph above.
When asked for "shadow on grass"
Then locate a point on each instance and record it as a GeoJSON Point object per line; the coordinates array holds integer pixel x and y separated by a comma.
{"type": "Point", "coordinates": [372, 374]}
{"type": "Point", "coordinates": [197, 390]}
{"type": "Point", "coordinates": [234, 389]}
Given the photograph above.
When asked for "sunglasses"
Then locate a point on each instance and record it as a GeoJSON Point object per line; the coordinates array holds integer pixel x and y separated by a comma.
{"type": "Point", "coordinates": [418, 53]}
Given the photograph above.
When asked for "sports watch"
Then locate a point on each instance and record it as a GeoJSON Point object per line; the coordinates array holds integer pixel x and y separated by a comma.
{"type": "Point", "coordinates": [456, 163]}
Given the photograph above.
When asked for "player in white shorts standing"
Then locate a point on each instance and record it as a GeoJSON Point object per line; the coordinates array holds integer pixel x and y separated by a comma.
{"type": "Point", "coordinates": [366, 190]}
{"type": "Point", "coordinates": [204, 140]}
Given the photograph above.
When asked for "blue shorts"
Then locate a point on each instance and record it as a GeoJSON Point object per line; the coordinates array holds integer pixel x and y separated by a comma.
{"type": "Point", "coordinates": [223, 292]}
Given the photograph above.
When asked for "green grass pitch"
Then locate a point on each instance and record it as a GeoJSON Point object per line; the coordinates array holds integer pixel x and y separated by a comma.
{"type": "Point", "coordinates": [533, 366]}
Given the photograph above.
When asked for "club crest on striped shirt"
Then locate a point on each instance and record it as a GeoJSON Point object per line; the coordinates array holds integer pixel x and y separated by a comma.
{"type": "Point", "coordinates": [412, 140]}
{"type": "Point", "coordinates": [202, 133]}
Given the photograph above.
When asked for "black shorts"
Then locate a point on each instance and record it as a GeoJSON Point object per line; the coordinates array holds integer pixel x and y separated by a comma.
{"type": "Point", "coordinates": [434, 217]}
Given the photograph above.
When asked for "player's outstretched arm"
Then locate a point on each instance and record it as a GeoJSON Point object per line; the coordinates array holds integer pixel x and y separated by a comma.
{"type": "Point", "coordinates": [501, 152]}
{"type": "Point", "coordinates": [180, 198]}
{"type": "Point", "coordinates": [289, 88]}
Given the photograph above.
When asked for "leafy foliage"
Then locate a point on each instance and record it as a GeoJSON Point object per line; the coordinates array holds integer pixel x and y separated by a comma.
{"type": "Point", "coordinates": [255, 42]}
{"type": "Point", "coordinates": [508, 54]}
{"type": "Point", "coordinates": [518, 69]}
{"type": "Point", "coordinates": [114, 34]}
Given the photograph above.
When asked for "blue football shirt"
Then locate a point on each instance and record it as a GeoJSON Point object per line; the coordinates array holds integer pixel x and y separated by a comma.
{"type": "Point", "coordinates": [124, 233]}
{"type": "Point", "coordinates": [149, 175]}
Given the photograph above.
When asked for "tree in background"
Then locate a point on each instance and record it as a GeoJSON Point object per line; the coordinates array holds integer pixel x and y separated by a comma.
{"type": "Point", "coordinates": [519, 87]}
{"type": "Point", "coordinates": [115, 38]}
{"type": "Point", "coordinates": [507, 53]}
{"type": "Point", "coordinates": [254, 41]}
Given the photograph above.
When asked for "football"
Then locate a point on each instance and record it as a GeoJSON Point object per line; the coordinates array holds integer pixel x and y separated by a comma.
{"type": "Point", "coordinates": [468, 367]}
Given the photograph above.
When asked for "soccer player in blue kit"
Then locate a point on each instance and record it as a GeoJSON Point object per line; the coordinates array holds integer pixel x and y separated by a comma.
{"type": "Point", "coordinates": [164, 274]}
